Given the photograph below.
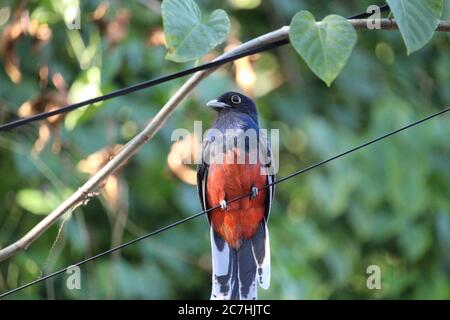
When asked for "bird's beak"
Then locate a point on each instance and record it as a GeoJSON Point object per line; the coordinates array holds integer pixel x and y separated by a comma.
{"type": "Point", "coordinates": [217, 104]}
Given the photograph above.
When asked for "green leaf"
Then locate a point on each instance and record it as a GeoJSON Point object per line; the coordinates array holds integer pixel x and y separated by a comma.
{"type": "Point", "coordinates": [36, 201]}
{"type": "Point", "coordinates": [417, 20]}
{"type": "Point", "coordinates": [188, 36]}
{"type": "Point", "coordinates": [325, 46]}
{"type": "Point", "coordinates": [86, 86]}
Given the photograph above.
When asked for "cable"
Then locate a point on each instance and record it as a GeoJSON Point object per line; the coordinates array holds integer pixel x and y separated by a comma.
{"type": "Point", "coordinates": [153, 82]}
{"type": "Point", "coordinates": [121, 246]}
{"type": "Point", "coordinates": [362, 146]}
{"type": "Point", "coordinates": [139, 86]}
{"type": "Point", "coordinates": [363, 15]}
{"type": "Point", "coordinates": [170, 226]}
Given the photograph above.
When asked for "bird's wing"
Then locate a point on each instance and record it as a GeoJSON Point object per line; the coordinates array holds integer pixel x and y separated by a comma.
{"type": "Point", "coordinates": [202, 177]}
{"type": "Point", "coordinates": [268, 161]}
{"type": "Point", "coordinates": [260, 241]}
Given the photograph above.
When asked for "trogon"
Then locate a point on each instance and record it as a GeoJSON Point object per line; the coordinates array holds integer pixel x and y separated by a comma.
{"type": "Point", "coordinates": [238, 230]}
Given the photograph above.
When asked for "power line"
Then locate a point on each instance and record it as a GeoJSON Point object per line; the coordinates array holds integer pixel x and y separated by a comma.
{"type": "Point", "coordinates": [366, 14]}
{"type": "Point", "coordinates": [121, 246]}
{"type": "Point", "coordinates": [363, 145]}
{"type": "Point", "coordinates": [153, 82]}
{"type": "Point", "coordinates": [139, 86]}
{"type": "Point", "coordinates": [170, 226]}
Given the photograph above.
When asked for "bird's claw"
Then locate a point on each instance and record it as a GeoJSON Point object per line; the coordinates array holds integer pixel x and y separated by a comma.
{"type": "Point", "coordinates": [254, 191]}
{"type": "Point", "coordinates": [223, 204]}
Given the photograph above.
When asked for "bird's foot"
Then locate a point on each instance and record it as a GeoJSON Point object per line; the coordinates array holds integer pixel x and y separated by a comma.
{"type": "Point", "coordinates": [254, 190]}
{"type": "Point", "coordinates": [223, 204]}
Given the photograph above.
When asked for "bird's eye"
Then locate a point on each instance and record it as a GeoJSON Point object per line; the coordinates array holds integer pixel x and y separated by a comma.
{"type": "Point", "coordinates": [235, 99]}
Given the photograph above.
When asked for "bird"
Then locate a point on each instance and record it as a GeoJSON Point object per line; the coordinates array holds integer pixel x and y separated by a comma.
{"type": "Point", "coordinates": [239, 236]}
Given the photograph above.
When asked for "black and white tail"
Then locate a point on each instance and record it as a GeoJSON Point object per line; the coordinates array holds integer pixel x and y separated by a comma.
{"type": "Point", "coordinates": [236, 271]}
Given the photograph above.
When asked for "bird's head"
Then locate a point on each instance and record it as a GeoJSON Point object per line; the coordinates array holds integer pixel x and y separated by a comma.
{"type": "Point", "coordinates": [235, 102]}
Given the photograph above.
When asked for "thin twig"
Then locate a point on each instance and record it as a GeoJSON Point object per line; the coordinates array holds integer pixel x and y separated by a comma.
{"type": "Point", "coordinates": [131, 148]}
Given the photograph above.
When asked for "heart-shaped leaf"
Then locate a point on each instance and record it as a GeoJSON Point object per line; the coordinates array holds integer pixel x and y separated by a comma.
{"type": "Point", "coordinates": [188, 36]}
{"type": "Point", "coordinates": [417, 20]}
{"type": "Point", "coordinates": [325, 46]}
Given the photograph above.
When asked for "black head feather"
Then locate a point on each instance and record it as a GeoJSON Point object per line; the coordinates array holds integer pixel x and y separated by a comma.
{"type": "Point", "coordinates": [234, 102]}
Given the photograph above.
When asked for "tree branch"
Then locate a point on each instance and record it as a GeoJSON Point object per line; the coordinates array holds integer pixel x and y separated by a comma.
{"type": "Point", "coordinates": [390, 24]}
{"type": "Point", "coordinates": [131, 148]}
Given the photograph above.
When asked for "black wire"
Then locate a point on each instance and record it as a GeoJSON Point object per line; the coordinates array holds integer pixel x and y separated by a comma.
{"type": "Point", "coordinates": [140, 86]}
{"type": "Point", "coordinates": [121, 246]}
{"type": "Point", "coordinates": [153, 82]}
{"type": "Point", "coordinates": [362, 146]}
{"type": "Point", "coordinates": [170, 226]}
{"type": "Point", "coordinates": [363, 15]}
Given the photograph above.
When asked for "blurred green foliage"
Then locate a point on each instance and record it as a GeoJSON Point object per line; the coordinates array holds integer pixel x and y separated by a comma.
{"type": "Point", "coordinates": [385, 205]}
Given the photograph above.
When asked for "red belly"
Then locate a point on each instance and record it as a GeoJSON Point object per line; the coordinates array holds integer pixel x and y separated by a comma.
{"type": "Point", "coordinates": [242, 217]}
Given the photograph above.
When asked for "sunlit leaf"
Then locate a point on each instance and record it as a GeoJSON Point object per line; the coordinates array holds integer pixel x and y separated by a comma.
{"type": "Point", "coordinates": [190, 36]}
{"type": "Point", "coordinates": [85, 87]}
{"type": "Point", "coordinates": [36, 201]}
